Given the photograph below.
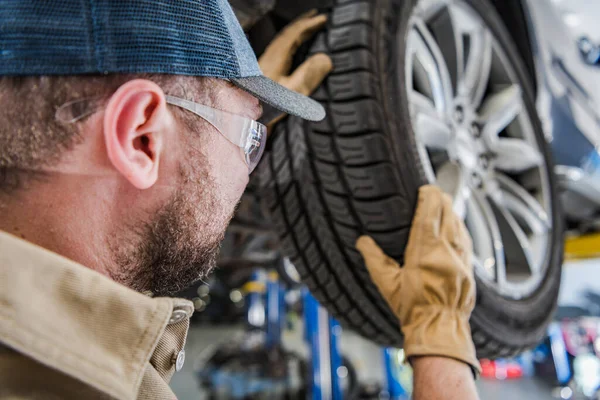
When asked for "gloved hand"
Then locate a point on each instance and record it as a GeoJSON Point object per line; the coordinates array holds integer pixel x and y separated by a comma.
{"type": "Point", "coordinates": [276, 61]}
{"type": "Point", "coordinates": [433, 294]}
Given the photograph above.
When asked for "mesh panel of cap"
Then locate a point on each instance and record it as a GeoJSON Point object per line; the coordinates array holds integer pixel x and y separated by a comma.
{"type": "Point", "coordinates": [190, 37]}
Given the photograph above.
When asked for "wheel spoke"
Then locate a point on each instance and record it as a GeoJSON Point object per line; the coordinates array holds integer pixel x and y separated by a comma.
{"type": "Point", "coordinates": [515, 155]}
{"type": "Point", "coordinates": [497, 244]}
{"type": "Point", "coordinates": [466, 45]}
{"type": "Point", "coordinates": [444, 26]}
{"type": "Point", "coordinates": [431, 71]}
{"type": "Point", "coordinates": [425, 9]}
{"type": "Point", "coordinates": [524, 218]}
{"type": "Point", "coordinates": [483, 249]}
{"type": "Point", "coordinates": [452, 179]}
{"type": "Point", "coordinates": [475, 75]}
{"type": "Point", "coordinates": [478, 265]}
{"type": "Point", "coordinates": [429, 124]}
{"type": "Point", "coordinates": [498, 111]}
{"type": "Point", "coordinates": [421, 104]}
{"type": "Point", "coordinates": [524, 205]}
{"type": "Point", "coordinates": [427, 165]}
{"type": "Point", "coordinates": [519, 239]}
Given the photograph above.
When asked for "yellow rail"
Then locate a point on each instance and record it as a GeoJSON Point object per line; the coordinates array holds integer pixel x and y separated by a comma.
{"type": "Point", "coordinates": [579, 247]}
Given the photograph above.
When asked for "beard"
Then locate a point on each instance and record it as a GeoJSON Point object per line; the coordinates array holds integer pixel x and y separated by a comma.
{"type": "Point", "coordinates": [181, 244]}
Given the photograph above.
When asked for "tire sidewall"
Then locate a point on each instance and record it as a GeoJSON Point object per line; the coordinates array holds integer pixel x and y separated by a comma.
{"type": "Point", "coordinates": [391, 47]}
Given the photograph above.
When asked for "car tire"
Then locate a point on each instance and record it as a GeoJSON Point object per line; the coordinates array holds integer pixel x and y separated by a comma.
{"type": "Point", "coordinates": [358, 172]}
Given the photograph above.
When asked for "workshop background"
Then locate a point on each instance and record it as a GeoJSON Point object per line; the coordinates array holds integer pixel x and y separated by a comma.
{"type": "Point", "coordinates": [498, 102]}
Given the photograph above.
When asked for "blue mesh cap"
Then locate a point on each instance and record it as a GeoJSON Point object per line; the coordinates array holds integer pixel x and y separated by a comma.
{"type": "Point", "coordinates": [179, 37]}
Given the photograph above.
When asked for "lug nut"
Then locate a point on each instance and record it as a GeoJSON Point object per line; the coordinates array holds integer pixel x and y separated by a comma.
{"type": "Point", "coordinates": [459, 114]}
{"type": "Point", "coordinates": [484, 161]}
{"type": "Point", "coordinates": [476, 179]}
{"type": "Point", "coordinates": [475, 130]}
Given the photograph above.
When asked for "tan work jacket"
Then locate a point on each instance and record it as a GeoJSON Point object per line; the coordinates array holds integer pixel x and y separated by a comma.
{"type": "Point", "coordinates": [67, 332]}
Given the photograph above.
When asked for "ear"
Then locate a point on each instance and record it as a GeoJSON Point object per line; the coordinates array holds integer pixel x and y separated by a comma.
{"type": "Point", "coordinates": [135, 124]}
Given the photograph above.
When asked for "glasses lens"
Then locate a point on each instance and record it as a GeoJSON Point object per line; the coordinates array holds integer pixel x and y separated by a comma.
{"type": "Point", "coordinates": [255, 144]}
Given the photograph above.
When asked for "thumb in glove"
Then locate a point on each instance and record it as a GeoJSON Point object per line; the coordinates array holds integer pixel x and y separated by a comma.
{"type": "Point", "coordinates": [276, 61]}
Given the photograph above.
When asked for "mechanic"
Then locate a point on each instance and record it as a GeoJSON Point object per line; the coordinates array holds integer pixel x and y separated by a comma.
{"type": "Point", "coordinates": [127, 134]}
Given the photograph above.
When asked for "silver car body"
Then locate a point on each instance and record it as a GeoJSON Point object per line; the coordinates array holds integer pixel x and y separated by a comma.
{"type": "Point", "coordinates": [568, 97]}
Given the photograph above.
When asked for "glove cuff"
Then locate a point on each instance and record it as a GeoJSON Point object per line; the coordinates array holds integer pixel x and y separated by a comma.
{"type": "Point", "coordinates": [439, 331]}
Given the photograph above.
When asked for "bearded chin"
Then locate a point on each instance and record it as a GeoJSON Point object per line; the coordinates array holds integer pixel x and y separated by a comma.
{"type": "Point", "coordinates": [178, 248]}
{"type": "Point", "coordinates": [170, 273]}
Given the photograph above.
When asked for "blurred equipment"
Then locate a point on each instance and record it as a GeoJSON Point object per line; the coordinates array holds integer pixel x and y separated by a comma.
{"type": "Point", "coordinates": [570, 358]}
{"type": "Point", "coordinates": [398, 374]}
{"type": "Point", "coordinates": [501, 369]}
{"type": "Point", "coordinates": [258, 366]}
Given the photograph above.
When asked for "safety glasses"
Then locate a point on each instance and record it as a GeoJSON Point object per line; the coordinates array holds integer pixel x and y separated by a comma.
{"type": "Point", "coordinates": [247, 134]}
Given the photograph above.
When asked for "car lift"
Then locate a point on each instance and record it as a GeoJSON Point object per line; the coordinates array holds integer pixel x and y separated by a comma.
{"type": "Point", "coordinates": [267, 310]}
{"type": "Point", "coordinates": [322, 333]}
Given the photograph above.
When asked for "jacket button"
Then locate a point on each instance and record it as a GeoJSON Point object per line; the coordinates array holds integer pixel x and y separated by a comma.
{"type": "Point", "coordinates": [183, 309]}
{"type": "Point", "coordinates": [180, 360]}
{"type": "Point", "coordinates": [177, 316]}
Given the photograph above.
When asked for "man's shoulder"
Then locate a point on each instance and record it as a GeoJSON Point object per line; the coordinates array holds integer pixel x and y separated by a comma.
{"type": "Point", "coordinates": [73, 325]}
{"type": "Point", "coordinates": [22, 377]}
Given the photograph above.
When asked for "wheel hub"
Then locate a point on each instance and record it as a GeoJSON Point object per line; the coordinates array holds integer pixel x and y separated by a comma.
{"type": "Point", "coordinates": [467, 148]}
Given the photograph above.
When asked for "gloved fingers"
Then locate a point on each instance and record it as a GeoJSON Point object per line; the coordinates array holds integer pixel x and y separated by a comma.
{"type": "Point", "coordinates": [469, 288]}
{"type": "Point", "coordinates": [449, 224]}
{"type": "Point", "coordinates": [454, 232]}
{"type": "Point", "coordinates": [468, 294]}
{"type": "Point", "coordinates": [372, 253]}
{"type": "Point", "coordinates": [304, 27]}
{"type": "Point", "coordinates": [384, 271]}
{"type": "Point", "coordinates": [309, 75]}
{"type": "Point", "coordinates": [305, 79]}
{"type": "Point", "coordinates": [467, 245]}
{"type": "Point", "coordinates": [429, 210]}
{"type": "Point", "coordinates": [276, 61]}
{"type": "Point", "coordinates": [425, 229]}
{"type": "Point", "coordinates": [307, 14]}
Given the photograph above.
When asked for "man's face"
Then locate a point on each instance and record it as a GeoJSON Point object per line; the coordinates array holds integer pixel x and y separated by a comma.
{"type": "Point", "coordinates": [180, 244]}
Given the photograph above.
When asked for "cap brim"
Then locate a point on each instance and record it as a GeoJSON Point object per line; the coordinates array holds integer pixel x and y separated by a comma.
{"type": "Point", "coordinates": [280, 97]}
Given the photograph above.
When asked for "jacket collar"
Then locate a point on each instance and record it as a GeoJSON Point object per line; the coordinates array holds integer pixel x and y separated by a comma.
{"type": "Point", "coordinates": [78, 321]}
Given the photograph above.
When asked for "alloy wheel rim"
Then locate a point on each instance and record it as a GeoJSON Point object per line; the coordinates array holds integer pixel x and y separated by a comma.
{"type": "Point", "coordinates": [475, 139]}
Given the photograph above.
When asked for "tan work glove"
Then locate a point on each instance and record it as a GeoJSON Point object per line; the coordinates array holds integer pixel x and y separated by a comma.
{"type": "Point", "coordinates": [433, 294]}
{"type": "Point", "coordinates": [276, 61]}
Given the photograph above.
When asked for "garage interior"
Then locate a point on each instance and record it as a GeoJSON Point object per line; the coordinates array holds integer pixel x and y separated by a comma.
{"type": "Point", "coordinates": [342, 199]}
